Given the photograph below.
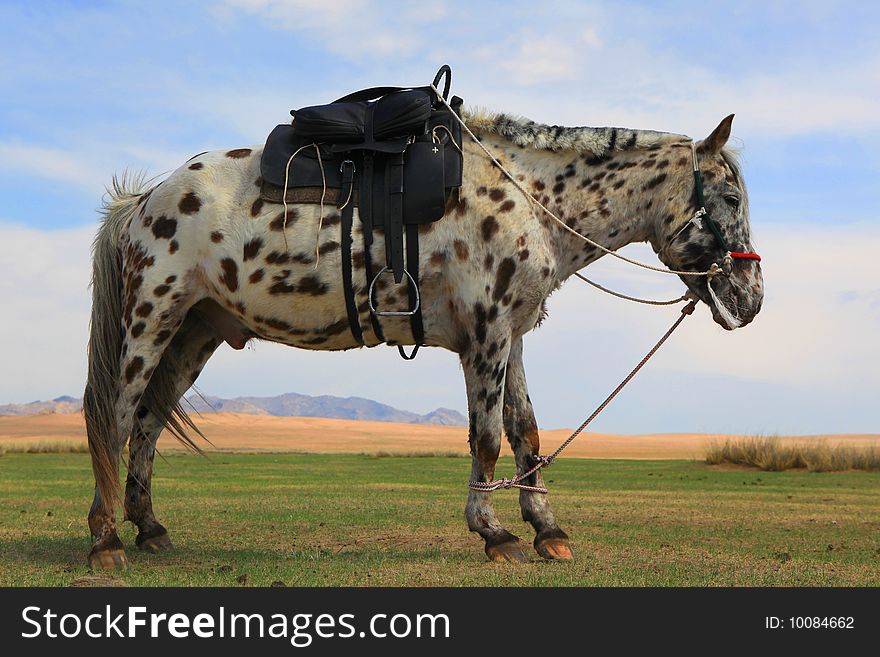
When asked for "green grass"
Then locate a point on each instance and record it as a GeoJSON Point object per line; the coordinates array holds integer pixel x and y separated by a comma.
{"type": "Point", "coordinates": [357, 520]}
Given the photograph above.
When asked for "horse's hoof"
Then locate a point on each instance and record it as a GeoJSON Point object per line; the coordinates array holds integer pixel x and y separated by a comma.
{"type": "Point", "coordinates": [554, 545]}
{"type": "Point", "coordinates": [507, 552]}
{"type": "Point", "coordinates": [154, 540]}
{"type": "Point", "coordinates": [107, 559]}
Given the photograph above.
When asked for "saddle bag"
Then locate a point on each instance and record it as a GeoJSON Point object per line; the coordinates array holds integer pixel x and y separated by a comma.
{"type": "Point", "coordinates": [346, 125]}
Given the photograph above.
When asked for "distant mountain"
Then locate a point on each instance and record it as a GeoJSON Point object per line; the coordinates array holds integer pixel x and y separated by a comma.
{"type": "Point", "coordinates": [346, 408]}
{"type": "Point", "coordinates": [64, 405]}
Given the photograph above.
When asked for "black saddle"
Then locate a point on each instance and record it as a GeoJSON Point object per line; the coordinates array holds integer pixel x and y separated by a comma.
{"type": "Point", "coordinates": [393, 152]}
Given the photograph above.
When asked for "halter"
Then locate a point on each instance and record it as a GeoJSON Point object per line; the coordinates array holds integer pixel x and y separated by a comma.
{"type": "Point", "coordinates": [702, 214]}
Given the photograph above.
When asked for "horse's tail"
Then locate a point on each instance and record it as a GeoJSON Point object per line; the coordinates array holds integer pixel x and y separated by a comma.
{"type": "Point", "coordinates": [106, 338]}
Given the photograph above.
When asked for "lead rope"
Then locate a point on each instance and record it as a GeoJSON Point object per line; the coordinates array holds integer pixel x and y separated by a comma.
{"type": "Point", "coordinates": [544, 461]}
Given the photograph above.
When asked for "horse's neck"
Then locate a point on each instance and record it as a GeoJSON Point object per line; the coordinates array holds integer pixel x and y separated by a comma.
{"type": "Point", "coordinates": [593, 199]}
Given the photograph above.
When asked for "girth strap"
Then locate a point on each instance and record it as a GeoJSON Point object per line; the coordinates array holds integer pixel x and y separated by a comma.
{"type": "Point", "coordinates": [365, 212]}
{"type": "Point", "coordinates": [354, 321]}
{"type": "Point", "coordinates": [394, 216]}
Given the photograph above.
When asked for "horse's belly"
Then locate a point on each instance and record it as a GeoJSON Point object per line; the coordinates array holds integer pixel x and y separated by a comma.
{"type": "Point", "coordinates": [298, 306]}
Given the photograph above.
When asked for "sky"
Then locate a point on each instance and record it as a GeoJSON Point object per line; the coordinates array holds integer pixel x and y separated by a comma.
{"type": "Point", "coordinates": [92, 88]}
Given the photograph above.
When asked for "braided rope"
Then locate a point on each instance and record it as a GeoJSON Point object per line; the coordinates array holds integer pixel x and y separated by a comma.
{"type": "Point", "coordinates": [323, 194]}
{"type": "Point", "coordinates": [532, 199]}
{"type": "Point", "coordinates": [649, 302]}
{"type": "Point", "coordinates": [544, 461]}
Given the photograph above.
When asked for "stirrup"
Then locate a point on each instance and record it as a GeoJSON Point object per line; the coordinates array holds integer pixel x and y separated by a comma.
{"type": "Point", "coordinates": [393, 313]}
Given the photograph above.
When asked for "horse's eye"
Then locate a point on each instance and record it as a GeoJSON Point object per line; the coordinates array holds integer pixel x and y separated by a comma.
{"type": "Point", "coordinates": [732, 201]}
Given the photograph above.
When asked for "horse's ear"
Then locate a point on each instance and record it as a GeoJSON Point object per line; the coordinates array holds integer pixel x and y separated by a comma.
{"type": "Point", "coordinates": [715, 142]}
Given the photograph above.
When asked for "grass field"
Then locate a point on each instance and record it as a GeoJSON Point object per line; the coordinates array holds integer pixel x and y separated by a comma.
{"type": "Point", "coordinates": [307, 519]}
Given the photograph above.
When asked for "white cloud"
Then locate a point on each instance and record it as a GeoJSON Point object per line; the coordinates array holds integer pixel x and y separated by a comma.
{"type": "Point", "coordinates": [538, 60]}
{"type": "Point", "coordinates": [351, 28]}
{"type": "Point", "coordinates": [90, 165]}
{"type": "Point", "coordinates": [43, 283]}
{"type": "Point", "coordinates": [51, 164]}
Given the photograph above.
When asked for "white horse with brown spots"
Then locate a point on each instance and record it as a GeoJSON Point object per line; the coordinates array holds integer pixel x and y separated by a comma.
{"type": "Point", "coordinates": [200, 259]}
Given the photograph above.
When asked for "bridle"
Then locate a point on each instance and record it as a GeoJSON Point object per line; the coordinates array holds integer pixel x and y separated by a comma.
{"type": "Point", "coordinates": [702, 215]}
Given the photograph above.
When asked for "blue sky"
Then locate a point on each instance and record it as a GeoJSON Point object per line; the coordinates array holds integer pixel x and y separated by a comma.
{"type": "Point", "coordinates": [90, 88]}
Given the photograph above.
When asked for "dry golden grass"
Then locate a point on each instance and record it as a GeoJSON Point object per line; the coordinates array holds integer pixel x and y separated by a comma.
{"type": "Point", "coordinates": [773, 454]}
{"type": "Point", "coordinates": [44, 447]}
{"type": "Point", "coordinates": [229, 432]}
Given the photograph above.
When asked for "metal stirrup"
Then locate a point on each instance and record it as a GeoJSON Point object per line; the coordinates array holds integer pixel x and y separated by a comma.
{"type": "Point", "coordinates": [393, 313]}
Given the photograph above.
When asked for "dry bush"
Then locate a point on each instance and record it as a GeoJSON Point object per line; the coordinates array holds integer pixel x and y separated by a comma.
{"type": "Point", "coordinates": [771, 453]}
{"type": "Point", "coordinates": [44, 447]}
{"type": "Point", "coordinates": [383, 454]}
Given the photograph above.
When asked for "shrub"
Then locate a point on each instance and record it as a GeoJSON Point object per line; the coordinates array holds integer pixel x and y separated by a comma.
{"type": "Point", "coordinates": [776, 455]}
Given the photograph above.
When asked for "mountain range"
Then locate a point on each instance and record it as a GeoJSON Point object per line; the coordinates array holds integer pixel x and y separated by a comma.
{"type": "Point", "coordinates": [289, 404]}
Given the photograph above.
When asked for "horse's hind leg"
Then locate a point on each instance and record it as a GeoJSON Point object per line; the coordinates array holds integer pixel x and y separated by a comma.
{"type": "Point", "coordinates": [522, 432]}
{"type": "Point", "coordinates": [181, 364]}
{"type": "Point", "coordinates": [484, 366]}
{"type": "Point", "coordinates": [152, 536]}
{"type": "Point", "coordinates": [150, 321]}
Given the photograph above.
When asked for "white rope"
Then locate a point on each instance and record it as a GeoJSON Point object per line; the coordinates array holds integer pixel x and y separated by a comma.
{"type": "Point", "coordinates": [649, 302]}
{"type": "Point", "coordinates": [709, 272]}
{"type": "Point", "coordinates": [323, 193]}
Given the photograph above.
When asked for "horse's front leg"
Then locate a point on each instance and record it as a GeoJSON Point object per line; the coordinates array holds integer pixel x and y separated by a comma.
{"type": "Point", "coordinates": [522, 432]}
{"type": "Point", "coordinates": [484, 368]}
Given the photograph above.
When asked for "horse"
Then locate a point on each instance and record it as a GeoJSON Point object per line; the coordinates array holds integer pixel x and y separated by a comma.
{"type": "Point", "coordinates": [199, 259]}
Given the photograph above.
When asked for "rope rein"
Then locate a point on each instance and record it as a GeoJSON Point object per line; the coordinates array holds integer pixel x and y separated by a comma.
{"type": "Point", "coordinates": [544, 461]}
{"type": "Point", "coordinates": [712, 271]}
{"type": "Point", "coordinates": [649, 302]}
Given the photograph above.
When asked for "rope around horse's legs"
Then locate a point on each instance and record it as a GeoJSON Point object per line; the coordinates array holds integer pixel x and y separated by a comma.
{"type": "Point", "coordinates": [544, 461]}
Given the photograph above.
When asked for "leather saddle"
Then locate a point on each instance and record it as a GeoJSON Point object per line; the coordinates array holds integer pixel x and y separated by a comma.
{"type": "Point", "coordinates": [392, 152]}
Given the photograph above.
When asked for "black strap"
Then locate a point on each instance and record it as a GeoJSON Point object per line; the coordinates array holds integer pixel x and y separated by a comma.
{"type": "Point", "coordinates": [354, 321]}
{"type": "Point", "coordinates": [412, 354]}
{"type": "Point", "coordinates": [365, 212]}
{"type": "Point", "coordinates": [394, 216]}
{"type": "Point", "coordinates": [412, 266]}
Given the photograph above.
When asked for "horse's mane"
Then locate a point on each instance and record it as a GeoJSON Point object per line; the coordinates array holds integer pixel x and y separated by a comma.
{"type": "Point", "coordinates": [596, 141]}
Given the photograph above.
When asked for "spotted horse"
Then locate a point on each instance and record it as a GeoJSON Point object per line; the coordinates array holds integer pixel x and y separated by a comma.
{"type": "Point", "coordinates": [200, 259]}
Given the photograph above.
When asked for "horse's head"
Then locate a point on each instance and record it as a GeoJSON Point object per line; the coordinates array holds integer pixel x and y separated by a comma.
{"type": "Point", "coordinates": [690, 240]}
